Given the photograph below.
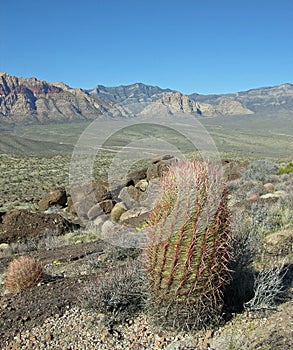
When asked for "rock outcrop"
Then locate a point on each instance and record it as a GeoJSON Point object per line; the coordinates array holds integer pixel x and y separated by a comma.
{"type": "Point", "coordinates": [31, 100]}
{"type": "Point", "coordinates": [34, 101]}
{"type": "Point", "coordinates": [175, 102]}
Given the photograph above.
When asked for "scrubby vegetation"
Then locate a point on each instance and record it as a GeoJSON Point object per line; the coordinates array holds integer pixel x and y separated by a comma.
{"type": "Point", "coordinates": [286, 169]}
{"type": "Point", "coordinates": [258, 204]}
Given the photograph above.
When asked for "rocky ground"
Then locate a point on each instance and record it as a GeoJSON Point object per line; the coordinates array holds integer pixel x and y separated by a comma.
{"type": "Point", "coordinates": [56, 313]}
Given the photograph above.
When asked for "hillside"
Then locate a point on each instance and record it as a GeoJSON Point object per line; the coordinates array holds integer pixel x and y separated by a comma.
{"type": "Point", "coordinates": [31, 100]}
{"type": "Point", "coordinates": [267, 99]}
{"type": "Point", "coordinates": [28, 101]}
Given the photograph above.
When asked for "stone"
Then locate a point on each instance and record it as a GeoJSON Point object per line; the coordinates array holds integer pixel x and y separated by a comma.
{"type": "Point", "coordinates": [165, 157]}
{"type": "Point", "coordinates": [142, 185]}
{"type": "Point", "coordinates": [131, 196]}
{"type": "Point", "coordinates": [279, 243]}
{"type": "Point", "coordinates": [254, 197]}
{"type": "Point", "coordinates": [152, 171]}
{"type": "Point", "coordinates": [185, 343]}
{"type": "Point", "coordinates": [117, 211]}
{"type": "Point", "coordinates": [93, 191]}
{"type": "Point", "coordinates": [101, 190]}
{"type": "Point", "coordinates": [134, 217]}
{"type": "Point", "coordinates": [158, 168]}
{"type": "Point", "coordinates": [99, 221]}
{"type": "Point", "coordinates": [82, 208]}
{"type": "Point", "coordinates": [275, 195]}
{"type": "Point", "coordinates": [55, 197]}
{"type": "Point", "coordinates": [94, 212]}
{"type": "Point", "coordinates": [4, 247]}
{"type": "Point", "coordinates": [54, 209]}
{"type": "Point", "coordinates": [134, 177]}
{"type": "Point", "coordinates": [70, 206]}
{"type": "Point", "coordinates": [108, 228]}
{"type": "Point", "coordinates": [269, 187]}
{"type": "Point", "coordinates": [107, 205]}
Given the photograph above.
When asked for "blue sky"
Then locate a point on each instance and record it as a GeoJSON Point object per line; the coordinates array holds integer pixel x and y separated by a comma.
{"type": "Point", "coordinates": [207, 46]}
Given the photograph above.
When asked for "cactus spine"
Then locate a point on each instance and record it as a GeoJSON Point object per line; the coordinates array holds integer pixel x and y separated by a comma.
{"type": "Point", "coordinates": [189, 242]}
{"type": "Point", "coordinates": [22, 273]}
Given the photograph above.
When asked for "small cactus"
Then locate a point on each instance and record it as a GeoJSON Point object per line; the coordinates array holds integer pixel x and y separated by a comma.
{"type": "Point", "coordinates": [22, 273]}
{"type": "Point", "coordinates": [189, 246]}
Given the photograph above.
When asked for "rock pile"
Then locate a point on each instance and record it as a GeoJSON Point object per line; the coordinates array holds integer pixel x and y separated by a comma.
{"type": "Point", "coordinates": [128, 204]}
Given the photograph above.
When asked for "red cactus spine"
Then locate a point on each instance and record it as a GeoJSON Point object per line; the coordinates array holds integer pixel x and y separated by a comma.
{"type": "Point", "coordinates": [189, 241]}
{"type": "Point", "coordinates": [22, 273]}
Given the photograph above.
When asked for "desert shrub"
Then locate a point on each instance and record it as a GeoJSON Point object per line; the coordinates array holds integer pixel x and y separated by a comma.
{"type": "Point", "coordinates": [239, 335]}
{"type": "Point", "coordinates": [22, 273]}
{"type": "Point", "coordinates": [246, 245]}
{"type": "Point", "coordinates": [119, 294]}
{"type": "Point", "coordinates": [189, 248]}
{"type": "Point", "coordinates": [286, 169]}
{"type": "Point", "coordinates": [268, 289]}
{"type": "Point", "coordinates": [259, 170]}
{"type": "Point", "coordinates": [265, 217]}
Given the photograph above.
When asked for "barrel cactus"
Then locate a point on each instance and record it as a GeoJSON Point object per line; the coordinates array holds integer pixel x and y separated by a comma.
{"type": "Point", "coordinates": [188, 250]}
{"type": "Point", "coordinates": [22, 273]}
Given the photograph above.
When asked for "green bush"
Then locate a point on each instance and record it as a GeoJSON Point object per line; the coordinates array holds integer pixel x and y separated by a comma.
{"type": "Point", "coordinates": [286, 169]}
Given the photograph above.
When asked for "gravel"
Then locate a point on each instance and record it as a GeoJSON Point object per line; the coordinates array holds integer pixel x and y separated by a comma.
{"type": "Point", "coordinates": [79, 329]}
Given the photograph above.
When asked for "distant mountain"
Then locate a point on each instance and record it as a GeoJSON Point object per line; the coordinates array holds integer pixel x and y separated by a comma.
{"type": "Point", "coordinates": [129, 94]}
{"type": "Point", "coordinates": [267, 99]}
{"type": "Point", "coordinates": [176, 102]}
{"type": "Point", "coordinates": [168, 101]}
{"type": "Point", "coordinates": [37, 101]}
{"type": "Point", "coordinates": [31, 100]}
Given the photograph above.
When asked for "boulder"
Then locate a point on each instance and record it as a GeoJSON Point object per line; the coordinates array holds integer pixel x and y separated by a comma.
{"type": "Point", "coordinates": [134, 217]}
{"type": "Point", "coordinates": [94, 191]}
{"type": "Point", "coordinates": [134, 177]}
{"type": "Point", "coordinates": [82, 208]}
{"type": "Point", "coordinates": [279, 243]}
{"type": "Point", "coordinates": [99, 221]}
{"type": "Point", "coordinates": [94, 212]}
{"type": "Point", "coordinates": [157, 168]}
{"type": "Point", "coordinates": [21, 224]}
{"type": "Point", "coordinates": [152, 171]}
{"type": "Point", "coordinates": [131, 196]}
{"type": "Point", "coordinates": [117, 211]}
{"type": "Point", "coordinates": [55, 197]}
{"type": "Point", "coordinates": [142, 185]}
{"type": "Point", "coordinates": [165, 157]}
{"type": "Point", "coordinates": [107, 205]}
{"type": "Point", "coordinates": [70, 206]}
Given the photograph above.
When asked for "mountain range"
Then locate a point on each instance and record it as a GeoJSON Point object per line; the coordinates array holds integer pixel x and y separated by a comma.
{"type": "Point", "coordinates": [29, 100]}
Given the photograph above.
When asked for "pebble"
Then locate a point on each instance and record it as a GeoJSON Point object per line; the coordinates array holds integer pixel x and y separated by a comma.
{"type": "Point", "coordinates": [81, 329]}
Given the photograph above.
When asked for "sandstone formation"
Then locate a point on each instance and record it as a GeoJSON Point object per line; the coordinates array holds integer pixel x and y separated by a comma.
{"type": "Point", "coordinates": [176, 102]}
{"type": "Point", "coordinates": [31, 100]}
